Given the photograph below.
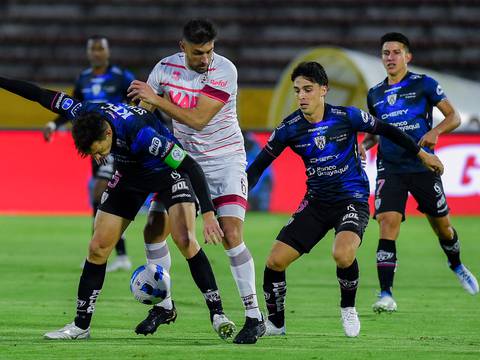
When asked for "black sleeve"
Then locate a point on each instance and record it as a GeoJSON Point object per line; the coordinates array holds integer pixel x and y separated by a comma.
{"type": "Point", "coordinates": [258, 166]}
{"type": "Point", "coordinates": [397, 136]}
{"type": "Point", "coordinates": [29, 91]}
{"type": "Point", "coordinates": [199, 183]}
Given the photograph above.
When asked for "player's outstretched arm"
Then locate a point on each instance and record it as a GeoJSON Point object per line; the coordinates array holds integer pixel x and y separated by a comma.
{"type": "Point", "coordinates": [258, 166]}
{"type": "Point", "coordinates": [29, 91]}
{"type": "Point", "coordinates": [397, 136]}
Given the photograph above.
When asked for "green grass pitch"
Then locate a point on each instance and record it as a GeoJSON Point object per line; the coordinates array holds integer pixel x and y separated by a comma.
{"type": "Point", "coordinates": [40, 266]}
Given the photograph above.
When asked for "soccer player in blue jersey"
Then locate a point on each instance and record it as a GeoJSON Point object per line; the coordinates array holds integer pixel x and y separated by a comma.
{"type": "Point", "coordinates": [101, 82]}
{"type": "Point", "coordinates": [325, 137]}
{"type": "Point", "coordinates": [148, 159]}
{"type": "Point", "coordinates": [405, 100]}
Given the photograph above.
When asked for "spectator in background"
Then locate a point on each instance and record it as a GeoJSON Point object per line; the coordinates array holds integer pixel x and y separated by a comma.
{"type": "Point", "coordinates": [100, 83]}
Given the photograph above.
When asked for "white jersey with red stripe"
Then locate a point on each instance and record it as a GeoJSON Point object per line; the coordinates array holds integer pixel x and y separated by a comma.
{"type": "Point", "coordinates": [222, 136]}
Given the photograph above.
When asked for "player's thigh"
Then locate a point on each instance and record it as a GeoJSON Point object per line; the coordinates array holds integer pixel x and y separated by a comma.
{"type": "Point", "coordinates": [391, 194]}
{"type": "Point", "coordinates": [427, 189]}
{"type": "Point", "coordinates": [182, 226]}
{"type": "Point", "coordinates": [306, 227]}
{"type": "Point", "coordinates": [281, 256]}
{"type": "Point", "coordinates": [157, 227]}
{"type": "Point", "coordinates": [228, 186]}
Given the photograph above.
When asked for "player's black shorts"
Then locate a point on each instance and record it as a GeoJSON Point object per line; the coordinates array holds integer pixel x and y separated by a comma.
{"type": "Point", "coordinates": [125, 195]}
{"type": "Point", "coordinates": [314, 218]}
{"type": "Point", "coordinates": [105, 170]}
{"type": "Point", "coordinates": [392, 190]}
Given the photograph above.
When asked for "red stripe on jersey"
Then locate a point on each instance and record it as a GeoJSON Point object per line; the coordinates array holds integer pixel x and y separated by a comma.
{"type": "Point", "coordinates": [215, 93]}
{"type": "Point", "coordinates": [180, 87]}
{"type": "Point", "coordinates": [230, 200]}
{"type": "Point", "coordinates": [174, 65]}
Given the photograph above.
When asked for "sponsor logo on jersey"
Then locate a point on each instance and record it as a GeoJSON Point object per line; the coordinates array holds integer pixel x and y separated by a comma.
{"type": "Point", "coordinates": [392, 89]}
{"type": "Point", "coordinates": [221, 83]}
{"type": "Point", "coordinates": [181, 185]}
{"type": "Point", "coordinates": [320, 128]}
{"type": "Point", "coordinates": [338, 112]}
{"type": "Point", "coordinates": [378, 103]}
{"type": "Point", "coordinates": [320, 141]}
{"type": "Point", "coordinates": [154, 147]}
{"type": "Point", "coordinates": [392, 98]}
{"type": "Point", "coordinates": [67, 104]}
{"type": "Point", "coordinates": [365, 116]}
{"type": "Point", "coordinates": [395, 113]}
{"type": "Point", "coordinates": [176, 75]}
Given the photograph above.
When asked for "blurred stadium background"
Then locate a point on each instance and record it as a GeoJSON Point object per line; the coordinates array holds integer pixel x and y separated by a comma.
{"type": "Point", "coordinates": [44, 41]}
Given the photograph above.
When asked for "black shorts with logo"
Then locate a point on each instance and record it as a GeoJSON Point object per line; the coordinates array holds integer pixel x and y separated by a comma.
{"type": "Point", "coordinates": [125, 195]}
{"type": "Point", "coordinates": [314, 218]}
{"type": "Point", "coordinates": [392, 190]}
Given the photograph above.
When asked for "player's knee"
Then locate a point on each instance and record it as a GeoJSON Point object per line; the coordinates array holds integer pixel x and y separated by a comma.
{"type": "Point", "coordinates": [98, 251]}
{"type": "Point", "coordinates": [185, 242]}
{"type": "Point", "coordinates": [444, 232]}
{"type": "Point", "coordinates": [275, 263]}
{"type": "Point", "coordinates": [389, 222]}
{"type": "Point", "coordinates": [342, 257]}
{"type": "Point", "coordinates": [232, 234]}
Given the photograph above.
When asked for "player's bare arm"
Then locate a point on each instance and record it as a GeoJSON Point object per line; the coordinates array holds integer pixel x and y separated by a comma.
{"type": "Point", "coordinates": [451, 122]}
{"type": "Point", "coordinates": [196, 118]}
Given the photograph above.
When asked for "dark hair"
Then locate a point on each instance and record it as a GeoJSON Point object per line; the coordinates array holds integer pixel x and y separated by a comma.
{"type": "Point", "coordinates": [395, 36]}
{"type": "Point", "coordinates": [199, 31]}
{"type": "Point", "coordinates": [312, 71]}
{"type": "Point", "coordinates": [86, 130]}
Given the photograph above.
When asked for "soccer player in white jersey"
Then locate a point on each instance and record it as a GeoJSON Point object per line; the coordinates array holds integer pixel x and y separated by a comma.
{"type": "Point", "coordinates": [197, 88]}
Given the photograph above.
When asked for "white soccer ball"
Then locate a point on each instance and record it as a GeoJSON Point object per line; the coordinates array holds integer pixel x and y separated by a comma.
{"type": "Point", "coordinates": [149, 284]}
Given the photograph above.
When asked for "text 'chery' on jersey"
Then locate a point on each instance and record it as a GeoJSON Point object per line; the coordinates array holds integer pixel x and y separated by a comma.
{"type": "Point", "coordinates": [328, 150]}
{"type": "Point", "coordinates": [407, 105]}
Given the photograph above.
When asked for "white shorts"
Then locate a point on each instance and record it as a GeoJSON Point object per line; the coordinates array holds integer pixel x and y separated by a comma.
{"type": "Point", "coordinates": [228, 185]}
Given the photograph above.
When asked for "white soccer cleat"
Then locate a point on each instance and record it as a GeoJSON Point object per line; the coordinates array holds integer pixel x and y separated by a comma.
{"type": "Point", "coordinates": [386, 303]}
{"type": "Point", "coordinates": [68, 332]}
{"type": "Point", "coordinates": [467, 279]}
{"type": "Point", "coordinates": [350, 321]}
{"type": "Point", "coordinates": [223, 327]}
{"type": "Point", "coordinates": [121, 262]}
{"type": "Point", "coordinates": [272, 330]}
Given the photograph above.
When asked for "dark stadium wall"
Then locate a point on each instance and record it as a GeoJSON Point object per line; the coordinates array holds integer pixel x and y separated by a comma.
{"type": "Point", "coordinates": [50, 178]}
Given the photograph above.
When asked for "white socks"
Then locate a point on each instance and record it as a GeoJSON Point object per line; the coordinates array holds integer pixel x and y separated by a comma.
{"type": "Point", "coordinates": [158, 254]}
{"type": "Point", "coordinates": [243, 271]}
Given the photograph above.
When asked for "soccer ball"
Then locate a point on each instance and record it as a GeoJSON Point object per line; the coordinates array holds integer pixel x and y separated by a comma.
{"type": "Point", "coordinates": [149, 284]}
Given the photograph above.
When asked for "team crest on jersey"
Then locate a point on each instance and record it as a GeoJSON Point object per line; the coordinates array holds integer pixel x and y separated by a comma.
{"type": "Point", "coordinates": [392, 98]}
{"type": "Point", "coordinates": [320, 142]}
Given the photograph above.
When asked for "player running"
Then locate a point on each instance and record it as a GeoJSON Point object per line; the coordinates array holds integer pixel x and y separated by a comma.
{"type": "Point", "coordinates": [102, 82]}
{"type": "Point", "coordinates": [198, 88]}
{"type": "Point", "coordinates": [405, 100]}
{"type": "Point", "coordinates": [325, 137]}
{"type": "Point", "coordinates": [148, 159]}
